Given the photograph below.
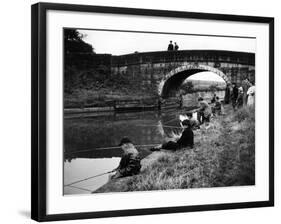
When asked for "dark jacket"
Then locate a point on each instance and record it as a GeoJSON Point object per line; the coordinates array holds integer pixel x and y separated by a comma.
{"type": "Point", "coordinates": [170, 47]}
{"type": "Point", "coordinates": [227, 95]}
{"type": "Point", "coordinates": [129, 164]}
{"type": "Point", "coordinates": [240, 100]}
{"type": "Point", "coordinates": [234, 93]}
{"type": "Point", "coordinates": [186, 139]}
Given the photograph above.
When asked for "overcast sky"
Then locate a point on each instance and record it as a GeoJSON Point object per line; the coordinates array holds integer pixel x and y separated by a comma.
{"type": "Point", "coordinates": [119, 43]}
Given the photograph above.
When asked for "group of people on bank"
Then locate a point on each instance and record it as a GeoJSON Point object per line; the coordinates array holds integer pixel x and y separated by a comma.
{"type": "Point", "coordinates": [240, 96]}
{"type": "Point", "coordinates": [130, 163]}
{"type": "Point", "coordinates": [173, 47]}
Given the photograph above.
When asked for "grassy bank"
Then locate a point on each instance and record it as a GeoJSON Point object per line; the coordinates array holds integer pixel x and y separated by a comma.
{"type": "Point", "coordinates": [98, 88]}
{"type": "Point", "coordinates": [224, 155]}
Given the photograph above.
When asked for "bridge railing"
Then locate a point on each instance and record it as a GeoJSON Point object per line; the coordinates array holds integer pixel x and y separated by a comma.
{"type": "Point", "coordinates": [184, 55]}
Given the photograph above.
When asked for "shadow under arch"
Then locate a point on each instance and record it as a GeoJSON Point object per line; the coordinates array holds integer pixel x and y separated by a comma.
{"type": "Point", "coordinates": [176, 77]}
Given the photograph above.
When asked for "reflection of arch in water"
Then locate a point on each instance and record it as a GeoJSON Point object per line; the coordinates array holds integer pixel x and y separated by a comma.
{"type": "Point", "coordinates": [176, 77]}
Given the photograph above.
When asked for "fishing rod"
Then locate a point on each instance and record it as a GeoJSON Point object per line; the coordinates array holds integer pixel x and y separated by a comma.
{"type": "Point", "coordinates": [98, 175]}
{"type": "Point", "coordinates": [170, 120]}
{"type": "Point", "coordinates": [80, 188]}
{"type": "Point", "coordinates": [88, 178]}
{"type": "Point", "coordinates": [113, 147]}
{"type": "Point", "coordinates": [166, 126]}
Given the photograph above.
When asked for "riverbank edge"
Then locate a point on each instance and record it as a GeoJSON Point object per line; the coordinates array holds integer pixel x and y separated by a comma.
{"type": "Point", "coordinates": [123, 108]}
{"type": "Point", "coordinates": [209, 152]}
{"type": "Point", "coordinates": [141, 104]}
{"type": "Point", "coordinates": [117, 185]}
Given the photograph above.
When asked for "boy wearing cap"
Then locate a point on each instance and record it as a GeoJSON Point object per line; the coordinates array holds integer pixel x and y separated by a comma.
{"type": "Point", "coordinates": [186, 139]}
{"type": "Point", "coordinates": [130, 162]}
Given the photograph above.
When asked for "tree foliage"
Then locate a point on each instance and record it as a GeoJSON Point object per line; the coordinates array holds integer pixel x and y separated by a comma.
{"type": "Point", "coordinates": [73, 42]}
{"type": "Point", "coordinates": [213, 87]}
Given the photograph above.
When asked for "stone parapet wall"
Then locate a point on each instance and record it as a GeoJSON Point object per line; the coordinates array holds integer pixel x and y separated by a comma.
{"type": "Point", "coordinates": [184, 55]}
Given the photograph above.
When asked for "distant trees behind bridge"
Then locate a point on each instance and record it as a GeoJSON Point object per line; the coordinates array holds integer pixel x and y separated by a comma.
{"type": "Point", "coordinates": [192, 86]}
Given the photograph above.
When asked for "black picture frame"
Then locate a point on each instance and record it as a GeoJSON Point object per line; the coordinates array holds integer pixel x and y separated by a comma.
{"type": "Point", "coordinates": [39, 122]}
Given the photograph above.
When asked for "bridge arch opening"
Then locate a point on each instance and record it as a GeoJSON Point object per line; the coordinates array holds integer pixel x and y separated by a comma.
{"type": "Point", "coordinates": [175, 78]}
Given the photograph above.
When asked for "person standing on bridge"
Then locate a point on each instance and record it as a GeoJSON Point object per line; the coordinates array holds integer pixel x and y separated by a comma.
{"type": "Point", "coordinates": [170, 46]}
{"type": "Point", "coordinates": [176, 46]}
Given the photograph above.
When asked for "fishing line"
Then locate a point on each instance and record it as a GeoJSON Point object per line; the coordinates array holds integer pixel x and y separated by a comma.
{"type": "Point", "coordinates": [166, 126]}
{"type": "Point", "coordinates": [170, 120]}
{"type": "Point", "coordinates": [113, 147]}
{"type": "Point", "coordinates": [80, 188]}
{"type": "Point", "coordinates": [88, 178]}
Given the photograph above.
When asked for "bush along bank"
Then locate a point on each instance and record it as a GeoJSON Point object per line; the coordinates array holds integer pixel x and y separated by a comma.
{"type": "Point", "coordinates": [224, 155]}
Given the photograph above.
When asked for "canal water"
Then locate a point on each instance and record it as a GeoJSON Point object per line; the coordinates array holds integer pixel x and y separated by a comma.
{"type": "Point", "coordinates": [90, 143]}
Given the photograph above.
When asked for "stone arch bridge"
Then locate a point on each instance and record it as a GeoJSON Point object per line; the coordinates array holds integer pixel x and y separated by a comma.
{"type": "Point", "coordinates": [160, 72]}
{"type": "Point", "coordinates": [165, 71]}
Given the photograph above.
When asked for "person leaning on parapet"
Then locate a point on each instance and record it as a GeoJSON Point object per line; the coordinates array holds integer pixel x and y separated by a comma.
{"type": "Point", "coordinates": [170, 46]}
{"type": "Point", "coordinates": [176, 46]}
{"type": "Point", "coordinates": [185, 141]}
{"type": "Point", "coordinates": [130, 162]}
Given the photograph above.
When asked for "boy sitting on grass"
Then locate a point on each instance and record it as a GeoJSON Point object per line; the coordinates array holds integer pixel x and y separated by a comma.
{"type": "Point", "coordinates": [130, 162]}
{"type": "Point", "coordinates": [186, 139]}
